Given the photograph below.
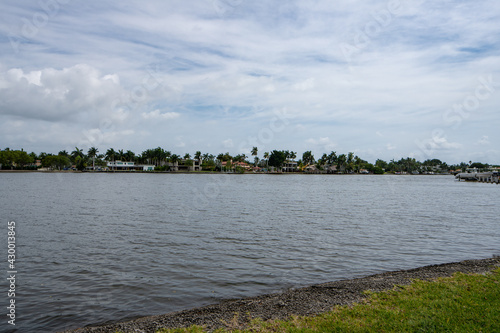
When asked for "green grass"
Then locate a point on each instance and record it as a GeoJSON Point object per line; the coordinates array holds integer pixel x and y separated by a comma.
{"type": "Point", "coordinates": [462, 303]}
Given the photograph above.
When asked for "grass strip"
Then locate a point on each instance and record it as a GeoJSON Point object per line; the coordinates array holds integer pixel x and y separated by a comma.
{"type": "Point", "coordinates": [461, 303]}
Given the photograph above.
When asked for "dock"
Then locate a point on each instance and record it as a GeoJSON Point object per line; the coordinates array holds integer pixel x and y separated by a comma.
{"type": "Point", "coordinates": [482, 177]}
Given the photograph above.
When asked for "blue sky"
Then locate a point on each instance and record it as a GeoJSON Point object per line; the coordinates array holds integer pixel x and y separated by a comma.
{"type": "Point", "coordinates": [383, 79]}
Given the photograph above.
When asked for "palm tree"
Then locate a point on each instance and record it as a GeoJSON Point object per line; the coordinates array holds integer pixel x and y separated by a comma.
{"type": "Point", "coordinates": [121, 155]}
{"type": "Point", "coordinates": [240, 158]}
{"type": "Point", "coordinates": [266, 157]}
{"type": "Point", "coordinates": [160, 155]}
{"type": "Point", "coordinates": [174, 159]}
{"type": "Point", "coordinates": [357, 163]}
{"type": "Point", "coordinates": [146, 156]}
{"type": "Point", "coordinates": [255, 151]}
{"type": "Point", "coordinates": [341, 162]}
{"type": "Point", "coordinates": [92, 153]}
{"type": "Point", "coordinates": [332, 158]}
{"type": "Point", "coordinates": [350, 161]}
{"type": "Point", "coordinates": [77, 152]}
{"type": "Point", "coordinates": [129, 156]}
{"type": "Point", "coordinates": [110, 155]}
{"type": "Point", "coordinates": [168, 153]}
{"type": "Point", "coordinates": [197, 155]}
{"type": "Point", "coordinates": [308, 157]}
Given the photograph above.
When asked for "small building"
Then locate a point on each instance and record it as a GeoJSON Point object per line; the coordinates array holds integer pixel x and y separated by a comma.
{"type": "Point", "coordinates": [243, 165]}
{"type": "Point", "coordinates": [185, 165]}
{"type": "Point", "coordinates": [129, 166]}
{"type": "Point", "coordinates": [119, 165]}
{"type": "Point", "coordinates": [330, 168]}
{"type": "Point", "coordinates": [290, 166]}
{"type": "Point", "coordinates": [311, 169]}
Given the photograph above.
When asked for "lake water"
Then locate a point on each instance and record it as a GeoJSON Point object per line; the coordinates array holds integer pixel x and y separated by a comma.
{"type": "Point", "coordinates": [96, 248]}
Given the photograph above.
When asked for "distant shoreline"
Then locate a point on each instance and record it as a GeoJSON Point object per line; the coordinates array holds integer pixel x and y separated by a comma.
{"type": "Point", "coordinates": [214, 173]}
{"type": "Point", "coordinates": [306, 301]}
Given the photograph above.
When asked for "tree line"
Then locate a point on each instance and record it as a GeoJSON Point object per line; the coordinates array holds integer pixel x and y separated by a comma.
{"type": "Point", "coordinates": [272, 160]}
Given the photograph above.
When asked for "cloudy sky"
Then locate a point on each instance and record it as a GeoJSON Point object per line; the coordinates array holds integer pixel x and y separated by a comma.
{"type": "Point", "coordinates": [384, 79]}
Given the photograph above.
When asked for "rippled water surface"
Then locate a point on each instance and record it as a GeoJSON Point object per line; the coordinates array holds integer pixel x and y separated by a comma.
{"type": "Point", "coordinates": [96, 248]}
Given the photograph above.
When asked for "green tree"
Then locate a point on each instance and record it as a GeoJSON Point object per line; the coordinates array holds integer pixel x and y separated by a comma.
{"type": "Point", "coordinates": [110, 155]}
{"type": "Point", "coordinates": [381, 164]}
{"type": "Point", "coordinates": [129, 156]}
{"type": "Point", "coordinates": [277, 159]}
{"type": "Point", "coordinates": [57, 161]}
{"type": "Point", "coordinates": [197, 155]}
{"type": "Point", "coordinates": [227, 157]}
{"type": "Point", "coordinates": [92, 153]}
{"type": "Point", "coordinates": [463, 166]}
{"type": "Point", "coordinates": [21, 158]}
{"type": "Point", "coordinates": [121, 155]}
{"type": "Point", "coordinates": [255, 151]}
{"type": "Point", "coordinates": [266, 157]}
{"type": "Point", "coordinates": [341, 163]}
{"type": "Point", "coordinates": [358, 163]}
{"type": "Point", "coordinates": [479, 165]}
{"type": "Point", "coordinates": [240, 158]}
{"type": "Point", "coordinates": [80, 163]}
{"type": "Point", "coordinates": [350, 162]}
{"type": "Point", "coordinates": [175, 159]}
{"type": "Point", "coordinates": [160, 156]}
{"type": "Point", "coordinates": [77, 153]}
{"type": "Point", "coordinates": [3, 158]}
{"type": "Point", "coordinates": [332, 158]}
{"type": "Point", "coordinates": [6, 158]}
{"type": "Point", "coordinates": [208, 162]}
{"type": "Point", "coordinates": [308, 158]}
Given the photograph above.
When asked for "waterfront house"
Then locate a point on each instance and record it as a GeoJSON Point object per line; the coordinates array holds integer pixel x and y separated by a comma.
{"type": "Point", "coordinates": [185, 165]}
{"type": "Point", "coordinates": [129, 166]}
{"type": "Point", "coordinates": [290, 166]}
{"type": "Point", "coordinates": [311, 169]}
{"type": "Point", "coordinates": [330, 168]}
{"type": "Point", "coordinates": [243, 165]}
{"type": "Point", "coordinates": [234, 165]}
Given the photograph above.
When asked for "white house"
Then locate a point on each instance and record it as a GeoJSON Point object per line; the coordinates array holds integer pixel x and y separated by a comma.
{"type": "Point", "coordinates": [122, 166]}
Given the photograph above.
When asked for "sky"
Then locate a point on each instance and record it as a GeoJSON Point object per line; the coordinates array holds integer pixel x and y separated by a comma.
{"type": "Point", "coordinates": [383, 79]}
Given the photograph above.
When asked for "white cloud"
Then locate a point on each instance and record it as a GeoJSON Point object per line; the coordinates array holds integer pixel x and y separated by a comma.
{"type": "Point", "coordinates": [57, 95]}
{"type": "Point", "coordinates": [225, 71]}
{"type": "Point", "coordinates": [157, 115]}
{"type": "Point", "coordinates": [228, 143]}
{"type": "Point", "coordinates": [438, 143]}
{"type": "Point", "coordinates": [322, 143]}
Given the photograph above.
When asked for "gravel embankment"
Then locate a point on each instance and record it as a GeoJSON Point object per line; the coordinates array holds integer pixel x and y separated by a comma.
{"type": "Point", "coordinates": [310, 300]}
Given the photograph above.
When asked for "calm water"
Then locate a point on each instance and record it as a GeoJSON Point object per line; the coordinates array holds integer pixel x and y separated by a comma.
{"type": "Point", "coordinates": [96, 248]}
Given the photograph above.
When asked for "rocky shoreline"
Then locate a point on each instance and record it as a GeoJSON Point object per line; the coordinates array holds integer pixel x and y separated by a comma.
{"type": "Point", "coordinates": [310, 300]}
